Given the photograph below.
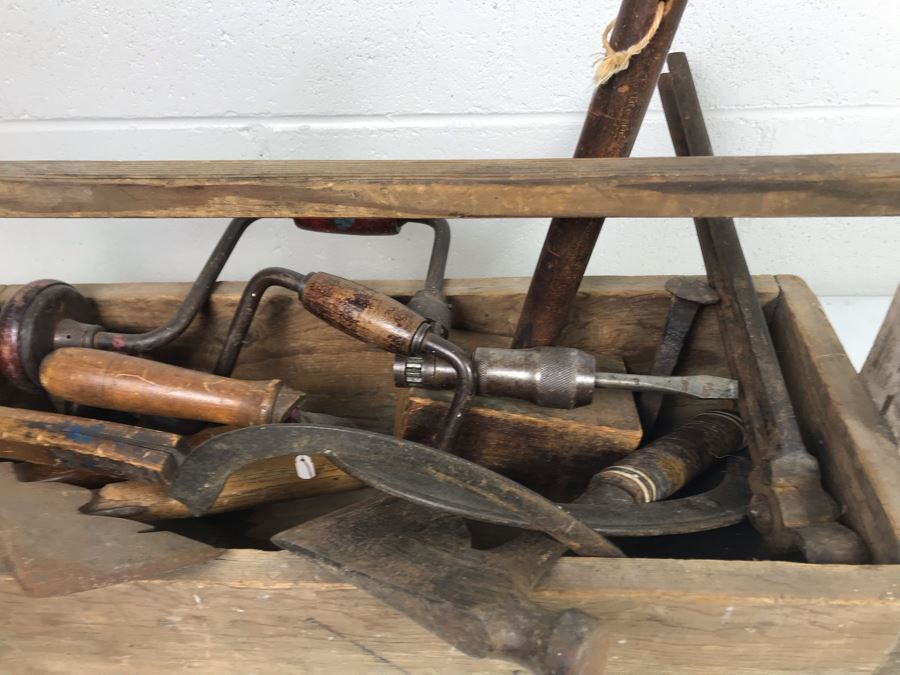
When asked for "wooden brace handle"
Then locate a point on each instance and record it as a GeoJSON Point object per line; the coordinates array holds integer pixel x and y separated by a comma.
{"type": "Point", "coordinates": [365, 314]}
{"type": "Point", "coordinates": [131, 384]}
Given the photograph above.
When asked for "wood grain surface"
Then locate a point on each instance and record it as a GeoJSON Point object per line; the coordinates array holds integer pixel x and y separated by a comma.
{"type": "Point", "coordinates": [254, 612]}
{"type": "Point", "coordinates": [270, 480]}
{"type": "Point", "coordinates": [774, 186]}
{"type": "Point", "coordinates": [881, 372]}
{"type": "Point", "coordinates": [840, 424]}
{"type": "Point", "coordinates": [130, 384]}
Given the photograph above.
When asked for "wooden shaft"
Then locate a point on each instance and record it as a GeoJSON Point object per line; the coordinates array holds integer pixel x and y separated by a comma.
{"type": "Point", "coordinates": [365, 314]}
{"type": "Point", "coordinates": [610, 130]}
{"type": "Point", "coordinates": [105, 447]}
{"type": "Point", "coordinates": [666, 465]}
{"type": "Point", "coordinates": [826, 185]}
{"type": "Point", "coordinates": [131, 384]}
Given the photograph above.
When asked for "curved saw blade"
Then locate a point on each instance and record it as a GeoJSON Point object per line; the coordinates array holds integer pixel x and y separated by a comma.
{"type": "Point", "coordinates": [725, 504]}
{"type": "Point", "coordinates": [402, 468]}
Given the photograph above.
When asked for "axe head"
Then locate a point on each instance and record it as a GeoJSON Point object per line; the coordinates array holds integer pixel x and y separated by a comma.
{"type": "Point", "coordinates": [421, 562]}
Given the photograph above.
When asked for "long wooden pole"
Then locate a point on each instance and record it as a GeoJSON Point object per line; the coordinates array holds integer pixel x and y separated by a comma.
{"type": "Point", "coordinates": [610, 129]}
{"type": "Point", "coordinates": [814, 185]}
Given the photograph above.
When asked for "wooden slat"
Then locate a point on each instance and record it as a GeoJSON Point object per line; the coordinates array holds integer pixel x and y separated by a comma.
{"type": "Point", "coordinates": [803, 185]}
{"type": "Point", "coordinates": [839, 421]}
{"type": "Point", "coordinates": [881, 372]}
{"type": "Point", "coordinates": [252, 611]}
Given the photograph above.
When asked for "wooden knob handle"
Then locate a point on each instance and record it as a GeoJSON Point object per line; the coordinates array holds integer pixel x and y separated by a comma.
{"type": "Point", "coordinates": [361, 312]}
{"type": "Point", "coordinates": [131, 384]}
{"type": "Point", "coordinates": [363, 226]}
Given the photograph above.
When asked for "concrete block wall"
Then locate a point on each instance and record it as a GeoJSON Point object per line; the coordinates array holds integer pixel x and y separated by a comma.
{"type": "Point", "coordinates": [350, 79]}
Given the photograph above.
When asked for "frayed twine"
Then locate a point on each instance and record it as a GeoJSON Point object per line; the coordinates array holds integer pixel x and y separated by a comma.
{"type": "Point", "coordinates": [616, 61]}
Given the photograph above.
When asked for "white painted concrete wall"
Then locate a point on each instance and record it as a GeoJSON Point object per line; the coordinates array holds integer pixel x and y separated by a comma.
{"type": "Point", "coordinates": [196, 79]}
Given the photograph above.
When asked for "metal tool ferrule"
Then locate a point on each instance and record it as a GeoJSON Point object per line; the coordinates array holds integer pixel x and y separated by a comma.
{"type": "Point", "coordinates": [553, 377]}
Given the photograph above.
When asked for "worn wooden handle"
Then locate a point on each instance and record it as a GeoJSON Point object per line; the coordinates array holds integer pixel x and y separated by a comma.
{"type": "Point", "coordinates": [131, 384]}
{"type": "Point", "coordinates": [361, 312]}
{"type": "Point", "coordinates": [103, 447]}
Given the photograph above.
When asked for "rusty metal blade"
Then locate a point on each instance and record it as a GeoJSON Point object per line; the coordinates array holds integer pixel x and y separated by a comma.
{"type": "Point", "coordinates": [415, 472]}
{"type": "Point", "coordinates": [723, 505]}
{"type": "Point", "coordinates": [53, 549]}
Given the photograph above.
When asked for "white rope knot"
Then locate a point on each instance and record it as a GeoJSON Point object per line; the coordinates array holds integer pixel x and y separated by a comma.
{"type": "Point", "coordinates": [616, 61]}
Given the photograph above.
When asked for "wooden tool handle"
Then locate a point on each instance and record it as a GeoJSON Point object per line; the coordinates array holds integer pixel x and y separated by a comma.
{"type": "Point", "coordinates": [107, 448]}
{"type": "Point", "coordinates": [666, 465]}
{"type": "Point", "coordinates": [131, 384]}
{"type": "Point", "coordinates": [363, 226]}
{"type": "Point", "coordinates": [361, 312]}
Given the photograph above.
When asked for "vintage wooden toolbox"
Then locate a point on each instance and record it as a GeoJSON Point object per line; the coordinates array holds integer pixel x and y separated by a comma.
{"type": "Point", "coordinates": [254, 611]}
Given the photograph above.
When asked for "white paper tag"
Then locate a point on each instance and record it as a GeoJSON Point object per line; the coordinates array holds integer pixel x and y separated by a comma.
{"type": "Point", "coordinates": [305, 467]}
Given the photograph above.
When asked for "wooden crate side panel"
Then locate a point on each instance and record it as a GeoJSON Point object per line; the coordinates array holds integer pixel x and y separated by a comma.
{"type": "Point", "coordinates": [839, 420]}
{"type": "Point", "coordinates": [251, 611]}
{"type": "Point", "coordinates": [881, 372]}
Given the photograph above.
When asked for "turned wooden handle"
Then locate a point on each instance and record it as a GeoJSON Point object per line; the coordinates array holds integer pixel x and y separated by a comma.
{"type": "Point", "coordinates": [361, 312]}
{"type": "Point", "coordinates": [131, 384]}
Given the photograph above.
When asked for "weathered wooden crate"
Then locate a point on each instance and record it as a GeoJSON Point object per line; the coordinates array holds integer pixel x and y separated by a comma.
{"type": "Point", "coordinates": [254, 611]}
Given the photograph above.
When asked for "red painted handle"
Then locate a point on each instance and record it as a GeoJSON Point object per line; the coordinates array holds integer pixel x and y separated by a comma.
{"type": "Point", "coordinates": [363, 226]}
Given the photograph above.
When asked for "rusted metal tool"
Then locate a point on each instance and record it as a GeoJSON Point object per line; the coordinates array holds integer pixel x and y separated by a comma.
{"type": "Point", "coordinates": [790, 507]}
{"type": "Point", "coordinates": [421, 562]}
{"type": "Point", "coordinates": [553, 377]}
{"type": "Point", "coordinates": [688, 296]}
{"type": "Point", "coordinates": [449, 483]}
{"type": "Point", "coordinates": [39, 319]}
{"type": "Point", "coordinates": [52, 549]}
{"type": "Point", "coordinates": [610, 130]}
{"type": "Point", "coordinates": [415, 472]}
{"type": "Point", "coordinates": [366, 315]}
{"type": "Point", "coordinates": [48, 314]}
{"type": "Point", "coordinates": [196, 476]}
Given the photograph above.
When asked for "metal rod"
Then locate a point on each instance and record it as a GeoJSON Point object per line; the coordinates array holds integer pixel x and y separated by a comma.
{"type": "Point", "coordinates": [197, 297]}
{"type": "Point", "coordinates": [790, 506]}
{"type": "Point", "coordinates": [440, 250]}
{"type": "Point", "coordinates": [465, 385]}
{"type": "Point", "coordinates": [246, 310]}
{"type": "Point", "coordinates": [697, 386]}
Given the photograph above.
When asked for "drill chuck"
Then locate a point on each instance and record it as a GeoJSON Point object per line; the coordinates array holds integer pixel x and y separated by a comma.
{"type": "Point", "coordinates": [553, 377]}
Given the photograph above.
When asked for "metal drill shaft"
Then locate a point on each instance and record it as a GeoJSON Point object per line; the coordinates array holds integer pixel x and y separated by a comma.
{"type": "Point", "coordinates": [553, 377]}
